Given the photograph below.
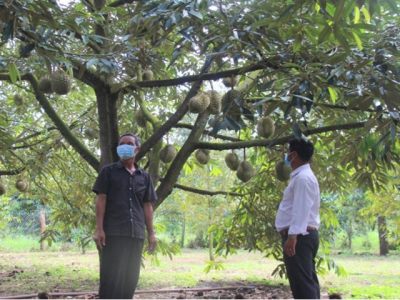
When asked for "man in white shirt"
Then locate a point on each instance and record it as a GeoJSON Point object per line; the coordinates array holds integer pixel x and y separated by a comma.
{"type": "Point", "coordinates": [297, 221]}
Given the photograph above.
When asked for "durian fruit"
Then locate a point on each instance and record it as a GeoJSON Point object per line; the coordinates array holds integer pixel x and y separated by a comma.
{"type": "Point", "coordinates": [45, 84]}
{"type": "Point", "coordinates": [60, 82]}
{"type": "Point", "coordinates": [99, 4]}
{"type": "Point", "coordinates": [91, 133]}
{"type": "Point", "coordinates": [147, 75]}
{"type": "Point", "coordinates": [231, 96]}
{"type": "Point", "coordinates": [228, 82]}
{"type": "Point", "coordinates": [232, 161]}
{"type": "Point", "coordinates": [199, 103]}
{"type": "Point", "coordinates": [140, 119]}
{"type": "Point", "coordinates": [282, 171]}
{"type": "Point", "coordinates": [22, 185]}
{"type": "Point", "coordinates": [2, 188]}
{"type": "Point", "coordinates": [130, 71]}
{"type": "Point", "coordinates": [203, 156]}
{"type": "Point", "coordinates": [167, 154]}
{"type": "Point", "coordinates": [215, 102]}
{"type": "Point", "coordinates": [18, 100]}
{"type": "Point", "coordinates": [265, 127]}
{"type": "Point", "coordinates": [245, 171]}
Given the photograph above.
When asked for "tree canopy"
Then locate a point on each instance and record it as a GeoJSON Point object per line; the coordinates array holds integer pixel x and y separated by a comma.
{"type": "Point", "coordinates": [327, 70]}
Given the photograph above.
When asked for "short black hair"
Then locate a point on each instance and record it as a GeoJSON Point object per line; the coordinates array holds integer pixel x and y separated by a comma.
{"type": "Point", "coordinates": [137, 139]}
{"type": "Point", "coordinates": [303, 147]}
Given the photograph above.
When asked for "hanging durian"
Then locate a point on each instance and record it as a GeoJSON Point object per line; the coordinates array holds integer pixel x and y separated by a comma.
{"type": "Point", "coordinates": [282, 171]}
{"type": "Point", "coordinates": [140, 119]}
{"type": "Point", "coordinates": [199, 103]}
{"type": "Point", "coordinates": [22, 185]}
{"type": "Point", "coordinates": [265, 127]}
{"type": "Point", "coordinates": [147, 75]}
{"type": "Point", "coordinates": [60, 82]}
{"type": "Point", "coordinates": [215, 102]}
{"type": "Point", "coordinates": [203, 156]}
{"type": "Point", "coordinates": [229, 82]}
{"type": "Point", "coordinates": [245, 171]}
{"type": "Point", "coordinates": [45, 84]}
{"type": "Point", "coordinates": [18, 99]}
{"type": "Point", "coordinates": [167, 154]}
{"type": "Point", "coordinates": [232, 161]}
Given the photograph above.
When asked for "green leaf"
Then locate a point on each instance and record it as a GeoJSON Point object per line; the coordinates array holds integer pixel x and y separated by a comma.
{"type": "Point", "coordinates": [341, 38]}
{"type": "Point", "coordinates": [340, 5]}
{"type": "Point", "coordinates": [297, 131]}
{"type": "Point", "coordinates": [267, 85]}
{"type": "Point", "coordinates": [356, 15]}
{"type": "Point", "coordinates": [325, 33]}
{"type": "Point", "coordinates": [85, 39]}
{"type": "Point", "coordinates": [393, 6]}
{"type": "Point", "coordinates": [14, 73]}
{"type": "Point", "coordinates": [247, 113]}
{"type": "Point", "coordinates": [333, 95]}
{"type": "Point", "coordinates": [358, 40]}
{"type": "Point", "coordinates": [297, 43]}
{"type": "Point", "coordinates": [367, 16]}
{"type": "Point", "coordinates": [196, 14]}
{"type": "Point", "coordinates": [393, 132]}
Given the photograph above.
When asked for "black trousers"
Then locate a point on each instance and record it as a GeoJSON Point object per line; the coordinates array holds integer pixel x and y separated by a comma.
{"type": "Point", "coordinates": [301, 267]}
{"type": "Point", "coordinates": [120, 262]}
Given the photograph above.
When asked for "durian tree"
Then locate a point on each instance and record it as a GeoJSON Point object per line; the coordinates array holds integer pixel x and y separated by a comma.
{"type": "Point", "coordinates": [325, 69]}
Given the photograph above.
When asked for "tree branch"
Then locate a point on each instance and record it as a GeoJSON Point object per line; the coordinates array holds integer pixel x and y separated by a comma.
{"type": "Point", "coordinates": [206, 76]}
{"type": "Point", "coordinates": [11, 172]}
{"type": "Point", "coordinates": [273, 142]}
{"type": "Point", "coordinates": [208, 132]}
{"type": "Point", "coordinates": [206, 192]}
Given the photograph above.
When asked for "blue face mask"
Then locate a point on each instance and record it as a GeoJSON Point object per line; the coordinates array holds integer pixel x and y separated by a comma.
{"type": "Point", "coordinates": [287, 161]}
{"type": "Point", "coordinates": [126, 151]}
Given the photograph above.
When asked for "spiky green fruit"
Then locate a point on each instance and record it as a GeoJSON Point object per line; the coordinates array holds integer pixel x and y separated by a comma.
{"type": "Point", "coordinates": [228, 82]}
{"type": "Point", "coordinates": [265, 127]}
{"type": "Point", "coordinates": [22, 185]}
{"type": "Point", "coordinates": [245, 171]}
{"type": "Point", "coordinates": [44, 84]}
{"type": "Point", "coordinates": [232, 96]}
{"type": "Point", "coordinates": [215, 102]}
{"type": "Point", "coordinates": [18, 100]}
{"type": "Point", "coordinates": [282, 171]}
{"type": "Point", "coordinates": [199, 103]}
{"type": "Point", "coordinates": [3, 189]}
{"type": "Point", "coordinates": [147, 75]}
{"type": "Point", "coordinates": [129, 70]}
{"type": "Point", "coordinates": [60, 82]}
{"type": "Point", "coordinates": [232, 161]}
{"type": "Point", "coordinates": [167, 154]}
{"type": "Point", "coordinates": [202, 156]}
{"type": "Point", "coordinates": [140, 119]}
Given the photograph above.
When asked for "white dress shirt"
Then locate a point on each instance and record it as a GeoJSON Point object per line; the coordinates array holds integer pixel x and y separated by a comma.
{"type": "Point", "coordinates": [299, 207]}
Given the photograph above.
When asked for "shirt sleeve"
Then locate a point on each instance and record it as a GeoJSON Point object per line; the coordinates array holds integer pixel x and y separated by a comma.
{"type": "Point", "coordinates": [102, 182]}
{"type": "Point", "coordinates": [302, 203]}
{"type": "Point", "coordinates": [150, 194]}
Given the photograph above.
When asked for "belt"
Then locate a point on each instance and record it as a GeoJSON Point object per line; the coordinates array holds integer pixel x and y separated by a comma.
{"type": "Point", "coordinates": [284, 232]}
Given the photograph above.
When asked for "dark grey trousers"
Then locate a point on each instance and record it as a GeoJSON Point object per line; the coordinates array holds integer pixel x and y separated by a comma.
{"type": "Point", "coordinates": [120, 267]}
{"type": "Point", "coordinates": [301, 267]}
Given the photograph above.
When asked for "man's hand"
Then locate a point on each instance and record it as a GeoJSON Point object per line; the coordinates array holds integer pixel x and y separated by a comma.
{"type": "Point", "coordinates": [152, 243]}
{"type": "Point", "coordinates": [100, 238]}
{"type": "Point", "coordinates": [290, 247]}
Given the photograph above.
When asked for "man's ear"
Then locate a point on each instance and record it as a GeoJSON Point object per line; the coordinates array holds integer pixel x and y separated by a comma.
{"type": "Point", "coordinates": [137, 149]}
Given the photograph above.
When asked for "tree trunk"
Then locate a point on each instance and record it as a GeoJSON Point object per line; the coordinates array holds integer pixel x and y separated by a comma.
{"type": "Point", "coordinates": [183, 231]}
{"type": "Point", "coordinates": [42, 229]}
{"type": "Point", "coordinates": [211, 246]}
{"type": "Point", "coordinates": [349, 237]}
{"type": "Point", "coordinates": [382, 231]}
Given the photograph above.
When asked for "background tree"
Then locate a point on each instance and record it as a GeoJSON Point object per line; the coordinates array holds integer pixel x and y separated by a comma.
{"type": "Point", "coordinates": [325, 69]}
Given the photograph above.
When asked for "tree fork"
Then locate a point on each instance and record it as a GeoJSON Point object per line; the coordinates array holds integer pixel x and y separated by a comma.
{"type": "Point", "coordinates": [62, 127]}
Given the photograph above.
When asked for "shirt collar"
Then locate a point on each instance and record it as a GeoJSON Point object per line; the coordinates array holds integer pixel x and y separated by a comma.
{"type": "Point", "coordinates": [120, 165]}
{"type": "Point", "coordinates": [300, 169]}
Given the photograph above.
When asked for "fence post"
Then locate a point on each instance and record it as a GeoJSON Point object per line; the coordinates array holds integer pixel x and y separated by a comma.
{"type": "Point", "coordinates": [42, 229]}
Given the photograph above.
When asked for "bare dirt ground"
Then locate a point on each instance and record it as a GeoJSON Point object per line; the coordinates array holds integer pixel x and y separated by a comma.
{"type": "Point", "coordinates": [22, 275]}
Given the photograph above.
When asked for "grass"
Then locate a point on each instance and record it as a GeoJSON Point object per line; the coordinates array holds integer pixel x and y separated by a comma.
{"type": "Point", "coordinates": [369, 276]}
